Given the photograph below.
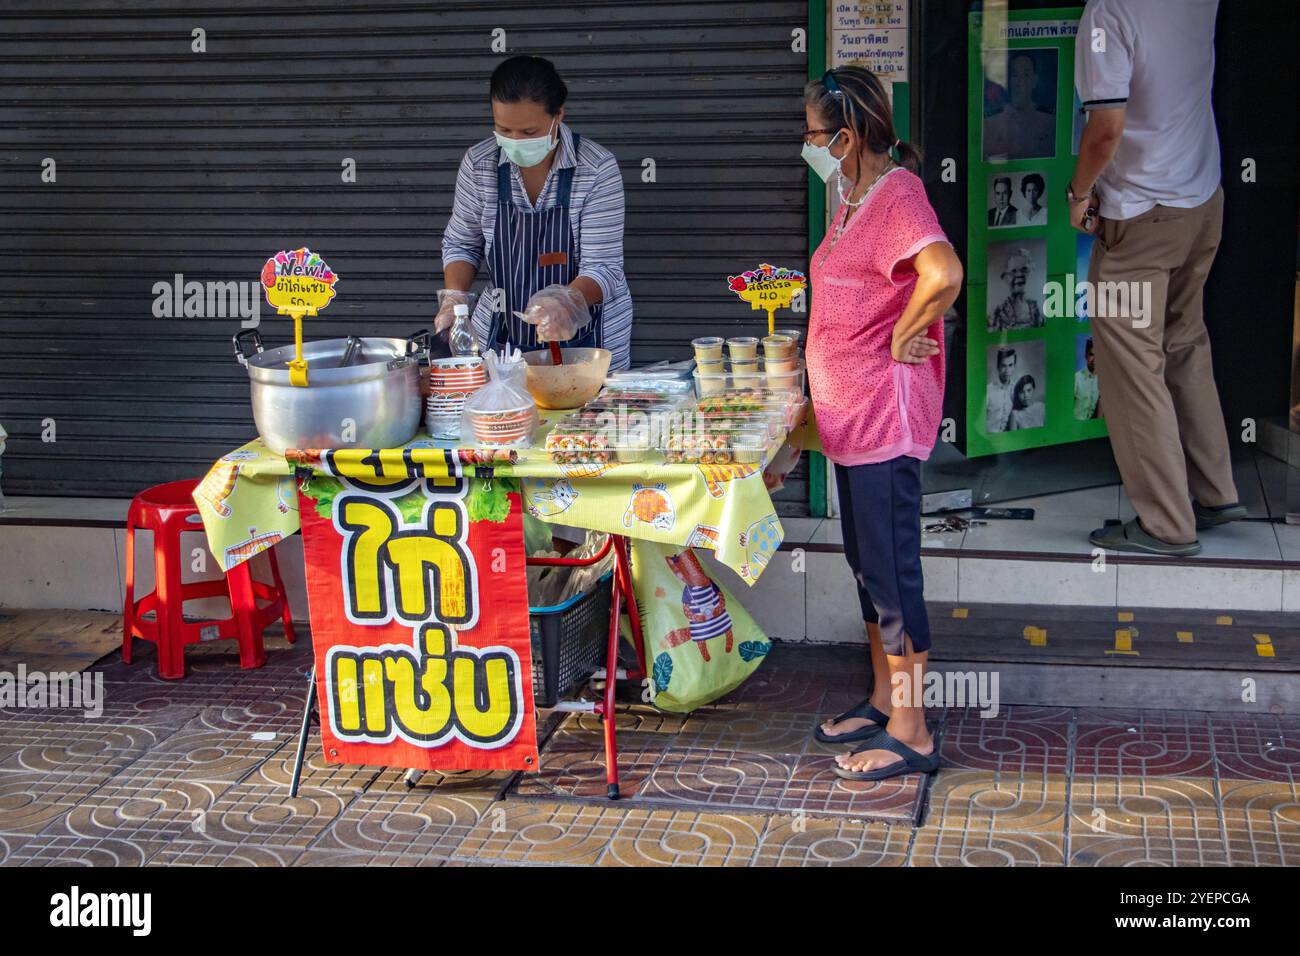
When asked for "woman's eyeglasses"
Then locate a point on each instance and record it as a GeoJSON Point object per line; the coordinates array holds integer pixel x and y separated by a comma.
{"type": "Point", "coordinates": [808, 133]}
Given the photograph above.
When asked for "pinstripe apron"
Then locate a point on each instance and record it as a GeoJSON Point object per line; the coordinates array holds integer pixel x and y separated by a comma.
{"type": "Point", "coordinates": [530, 251]}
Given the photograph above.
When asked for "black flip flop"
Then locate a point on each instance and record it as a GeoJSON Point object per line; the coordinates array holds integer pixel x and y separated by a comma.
{"type": "Point", "coordinates": [912, 761]}
{"type": "Point", "coordinates": [864, 710]}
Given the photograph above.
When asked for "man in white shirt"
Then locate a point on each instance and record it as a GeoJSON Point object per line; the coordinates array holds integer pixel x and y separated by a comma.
{"type": "Point", "coordinates": [1149, 166]}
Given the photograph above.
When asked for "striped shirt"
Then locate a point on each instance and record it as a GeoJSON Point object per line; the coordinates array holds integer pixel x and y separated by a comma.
{"type": "Point", "coordinates": [595, 212]}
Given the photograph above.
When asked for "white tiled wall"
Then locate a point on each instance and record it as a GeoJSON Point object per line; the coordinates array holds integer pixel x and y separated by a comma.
{"type": "Point", "coordinates": [83, 569]}
{"type": "Point", "coordinates": [802, 596]}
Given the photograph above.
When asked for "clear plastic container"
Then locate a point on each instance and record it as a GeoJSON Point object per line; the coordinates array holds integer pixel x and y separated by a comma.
{"type": "Point", "coordinates": [577, 441]}
{"type": "Point", "coordinates": [665, 390]}
{"type": "Point", "coordinates": [701, 443]}
{"type": "Point", "coordinates": [779, 411]}
{"type": "Point", "coordinates": [783, 375]}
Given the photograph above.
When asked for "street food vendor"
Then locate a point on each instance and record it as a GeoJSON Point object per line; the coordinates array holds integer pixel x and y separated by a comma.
{"type": "Point", "coordinates": [546, 206]}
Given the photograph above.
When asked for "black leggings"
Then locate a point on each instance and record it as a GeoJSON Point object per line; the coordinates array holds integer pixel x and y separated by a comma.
{"type": "Point", "coordinates": [880, 510]}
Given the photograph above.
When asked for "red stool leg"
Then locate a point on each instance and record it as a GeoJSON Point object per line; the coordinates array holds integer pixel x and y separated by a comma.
{"type": "Point", "coordinates": [171, 602]}
{"type": "Point", "coordinates": [278, 582]}
{"type": "Point", "coordinates": [243, 605]}
{"type": "Point", "coordinates": [128, 602]}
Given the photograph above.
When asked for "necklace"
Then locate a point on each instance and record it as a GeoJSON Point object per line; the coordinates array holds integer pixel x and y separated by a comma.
{"type": "Point", "coordinates": [844, 220]}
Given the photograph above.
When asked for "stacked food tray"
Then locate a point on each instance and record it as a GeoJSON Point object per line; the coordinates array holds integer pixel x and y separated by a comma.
{"type": "Point", "coordinates": [780, 375]}
{"type": "Point", "coordinates": [626, 422]}
{"type": "Point", "coordinates": [735, 425]}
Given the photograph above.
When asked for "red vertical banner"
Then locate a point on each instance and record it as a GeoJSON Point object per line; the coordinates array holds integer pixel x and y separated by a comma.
{"type": "Point", "coordinates": [419, 617]}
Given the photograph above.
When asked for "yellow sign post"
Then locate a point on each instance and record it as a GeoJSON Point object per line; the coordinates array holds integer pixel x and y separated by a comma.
{"type": "Point", "coordinates": [768, 288]}
{"type": "Point", "coordinates": [298, 283]}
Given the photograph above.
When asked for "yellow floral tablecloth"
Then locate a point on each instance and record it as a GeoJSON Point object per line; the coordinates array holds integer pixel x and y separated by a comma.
{"type": "Point", "coordinates": [249, 502]}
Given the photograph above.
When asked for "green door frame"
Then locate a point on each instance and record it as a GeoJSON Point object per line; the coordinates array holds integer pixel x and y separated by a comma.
{"type": "Point", "coordinates": [816, 230]}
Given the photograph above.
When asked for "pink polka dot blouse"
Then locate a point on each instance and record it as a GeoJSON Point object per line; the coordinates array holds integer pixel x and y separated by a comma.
{"type": "Point", "coordinates": [869, 407]}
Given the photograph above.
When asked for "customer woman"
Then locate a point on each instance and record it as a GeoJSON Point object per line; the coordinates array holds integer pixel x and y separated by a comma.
{"type": "Point", "coordinates": [544, 206]}
{"type": "Point", "coordinates": [881, 281]}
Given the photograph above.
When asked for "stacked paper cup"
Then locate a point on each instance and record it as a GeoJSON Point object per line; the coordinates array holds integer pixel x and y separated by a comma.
{"type": "Point", "coordinates": [451, 381]}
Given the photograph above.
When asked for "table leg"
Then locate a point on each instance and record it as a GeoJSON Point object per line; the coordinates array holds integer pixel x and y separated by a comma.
{"type": "Point", "coordinates": [611, 686]}
{"type": "Point", "coordinates": [623, 571]}
{"type": "Point", "coordinates": [303, 732]}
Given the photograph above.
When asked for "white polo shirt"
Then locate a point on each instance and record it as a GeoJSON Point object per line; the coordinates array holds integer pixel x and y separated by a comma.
{"type": "Point", "coordinates": [1155, 57]}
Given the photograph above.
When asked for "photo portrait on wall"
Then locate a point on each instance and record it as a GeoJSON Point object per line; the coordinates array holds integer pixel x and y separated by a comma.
{"type": "Point", "coordinates": [1020, 104]}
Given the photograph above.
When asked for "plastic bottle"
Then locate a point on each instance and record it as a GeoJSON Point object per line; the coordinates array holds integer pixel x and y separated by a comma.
{"type": "Point", "coordinates": [462, 339]}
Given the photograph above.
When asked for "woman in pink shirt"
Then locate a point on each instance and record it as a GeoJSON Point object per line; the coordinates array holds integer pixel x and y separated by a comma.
{"type": "Point", "coordinates": [881, 281]}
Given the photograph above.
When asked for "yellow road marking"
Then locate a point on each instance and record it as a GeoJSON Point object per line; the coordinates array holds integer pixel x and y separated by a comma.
{"type": "Point", "coordinates": [1184, 637]}
{"type": "Point", "coordinates": [1223, 619]}
{"type": "Point", "coordinates": [959, 612]}
{"type": "Point", "coordinates": [1036, 636]}
{"type": "Point", "coordinates": [1124, 616]}
{"type": "Point", "coordinates": [1263, 645]}
{"type": "Point", "coordinates": [1124, 642]}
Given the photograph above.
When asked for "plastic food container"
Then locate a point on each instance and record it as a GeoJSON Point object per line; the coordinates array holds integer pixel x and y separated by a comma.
{"type": "Point", "coordinates": [749, 447]}
{"type": "Point", "coordinates": [707, 348]}
{"type": "Point", "coordinates": [723, 444]}
{"type": "Point", "coordinates": [669, 391]}
{"type": "Point", "coordinates": [780, 346]}
{"type": "Point", "coordinates": [585, 442]}
{"type": "Point", "coordinates": [774, 374]}
{"type": "Point", "coordinates": [774, 412]}
{"type": "Point", "coordinates": [742, 347]}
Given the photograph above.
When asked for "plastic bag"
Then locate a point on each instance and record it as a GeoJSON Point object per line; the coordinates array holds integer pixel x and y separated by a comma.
{"type": "Point", "coordinates": [558, 311]}
{"type": "Point", "coordinates": [700, 642]}
{"type": "Point", "coordinates": [549, 586]}
{"type": "Point", "coordinates": [501, 413]}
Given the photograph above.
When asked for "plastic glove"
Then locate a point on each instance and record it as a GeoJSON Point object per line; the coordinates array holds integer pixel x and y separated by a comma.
{"type": "Point", "coordinates": [558, 311]}
{"type": "Point", "coordinates": [448, 299]}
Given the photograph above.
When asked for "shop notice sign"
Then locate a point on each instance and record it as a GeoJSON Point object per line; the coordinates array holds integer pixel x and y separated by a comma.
{"type": "Point", "coordinates": [419, 617]}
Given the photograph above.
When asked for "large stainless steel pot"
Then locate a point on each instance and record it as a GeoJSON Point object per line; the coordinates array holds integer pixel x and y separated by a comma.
{"type": "Point", "coordinates": [360, 392]}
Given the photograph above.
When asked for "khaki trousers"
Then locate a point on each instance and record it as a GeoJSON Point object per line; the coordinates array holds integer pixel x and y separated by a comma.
{"type": "Point", "coordinates": [1153, 363]}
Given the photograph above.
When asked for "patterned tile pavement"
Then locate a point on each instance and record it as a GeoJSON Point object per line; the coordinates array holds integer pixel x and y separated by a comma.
{"type": "Point", "coordinates": [196, 772]}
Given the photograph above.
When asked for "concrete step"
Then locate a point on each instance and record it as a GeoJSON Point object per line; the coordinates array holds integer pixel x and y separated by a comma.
{"type": "Point", "coordinates": [1156, 658]}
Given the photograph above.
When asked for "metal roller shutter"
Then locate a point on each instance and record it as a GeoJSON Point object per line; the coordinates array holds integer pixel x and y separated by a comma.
{"type": "Point", "coordinates": [171, 161]}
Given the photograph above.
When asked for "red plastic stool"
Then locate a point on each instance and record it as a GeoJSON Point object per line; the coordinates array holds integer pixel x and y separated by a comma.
{"type": "Point", "coordinates": [168, 510]}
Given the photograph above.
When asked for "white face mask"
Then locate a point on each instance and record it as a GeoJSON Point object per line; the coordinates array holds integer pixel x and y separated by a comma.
{"type": "Point", "coordinates": [527, 152]}
{"type": "Point", "coordinates": [820, 159]}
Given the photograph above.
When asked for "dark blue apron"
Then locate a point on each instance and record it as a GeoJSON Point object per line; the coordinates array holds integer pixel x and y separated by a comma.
{"type": "Point", "coordinates": [530, 251]}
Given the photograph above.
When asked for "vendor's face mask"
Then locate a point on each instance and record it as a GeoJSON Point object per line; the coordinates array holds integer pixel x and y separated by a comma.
{"type": "Point", "coordinates": [527, 152]}
{"type": "Point", "coordinates": [820, 159]}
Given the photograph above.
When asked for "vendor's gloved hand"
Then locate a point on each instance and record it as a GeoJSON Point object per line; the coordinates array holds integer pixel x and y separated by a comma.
{"type": "Point", "coordinates": [448, 299]}
{"type": "Point", "coordinates": [558, 311]}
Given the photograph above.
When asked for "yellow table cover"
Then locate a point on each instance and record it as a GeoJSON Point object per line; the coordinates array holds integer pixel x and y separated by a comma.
{"type": "Point", "coordinates": [248, 499]}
